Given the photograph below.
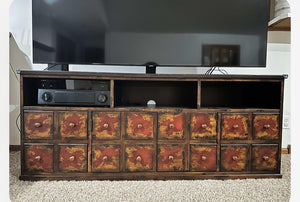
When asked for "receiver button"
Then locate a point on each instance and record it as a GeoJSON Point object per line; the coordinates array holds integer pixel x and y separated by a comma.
{"type": "Point", "coordinates": [102, 98]}
{"type": "Point", "coordinates": [47, 97]}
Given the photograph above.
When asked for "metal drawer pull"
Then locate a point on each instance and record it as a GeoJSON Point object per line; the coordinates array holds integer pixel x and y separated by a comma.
{"type": "Point", "coordinates": [138, 158]}
{"type": "Point", "coordinates": [171, 125]}
{"type": "Point", "coordinates": [139, 125]}
{"type": "Point", "coordinates": [72, 158]}
{"type": "Point", "coordinates": [235, 126]}
{"type": "Point", "coordinates": [38, 158]}
{"type": "Point", "coordinates": [171, 158]}
{"type": "Point", "coordinates": [105, 158]}
{"type": "Point", "coordinates": [234, 158]}
{"type": "Point", "coordinates": [266, 158]}
{"type": "Point", "coordinates": [37, 125]}
{"type": "Point", "coordinates": [72, 125]}
{"type": "Point", "coordinates": [204, 125]}
{"type": "Point", "coordinates": [267, 126]}
{"type": "Point", "coordinates": [105, 125]}
{"type": "Point", "coordinates": [203, 158]}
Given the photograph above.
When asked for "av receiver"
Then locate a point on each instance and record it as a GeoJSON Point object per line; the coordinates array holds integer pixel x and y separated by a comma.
{"type": "Point", "coordinates": [73, 97]}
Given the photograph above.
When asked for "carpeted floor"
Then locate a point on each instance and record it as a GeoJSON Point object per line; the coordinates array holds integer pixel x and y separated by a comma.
{"type": "Point", "coordinates": [181, 190]}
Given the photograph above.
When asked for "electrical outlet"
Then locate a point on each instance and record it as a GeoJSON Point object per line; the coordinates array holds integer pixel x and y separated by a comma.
{"type": "Point", "coordinates": [286, 121]}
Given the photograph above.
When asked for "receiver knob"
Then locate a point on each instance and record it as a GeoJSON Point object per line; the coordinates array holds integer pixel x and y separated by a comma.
{"type": "Point", "coordinates": [47, 97]}
{"type": "Point", "coordinates": [102, 98]}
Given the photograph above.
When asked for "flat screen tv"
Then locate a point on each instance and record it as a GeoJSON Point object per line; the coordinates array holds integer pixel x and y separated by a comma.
{"type": "Point", "coordinates": [185, 33]}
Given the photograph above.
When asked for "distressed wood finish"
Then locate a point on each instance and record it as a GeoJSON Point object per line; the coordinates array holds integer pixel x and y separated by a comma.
{"type": "Point", "coordinates": [38, 158]}
{"type": "Point", "coordinates": [234, 158]}
{"type": "Point", "coordinates": [203, 126]}
{"type": "Point", "coordinates": [38, 125]}
{"type": "Point", "coordinates": [235, 126]}
{"type": "Point", "coordinates": [139, 126]}
{"type": "Point", "coordinates": [139, 157]}
{"type": "Point", "coordinates": [105, 158]}
{"type": "Point", "coordinates": [73, 125]}
{"type": "Point", "coordinates": [170, 157]}
{"type": "Point", "coordinates": [203, 158]}
{"type": "Point", "coordinates": [266, 126]}
{"type": "Point", "coordinates": [264, 157]}
{"type": "Point", "coordinates": [73, 158]}
{"type": "Point", "coordinates": [106, 126]}
{"type": "Point", "coordinates": [209, 131]}
{"type": "Point", "coordinates": [171, 126]}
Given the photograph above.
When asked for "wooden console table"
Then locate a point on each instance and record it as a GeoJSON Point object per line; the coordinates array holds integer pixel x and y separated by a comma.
{"type": "Point", "coordinates": [203, 126]}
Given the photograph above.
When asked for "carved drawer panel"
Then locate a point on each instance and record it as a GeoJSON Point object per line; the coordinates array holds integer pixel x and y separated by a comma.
{"type": "Point", "coordinates": [38, 158]}
{"type": "Point", "coordinates": [73, 158]}
{"type": "Point", "coordinates": [73, 125]}
{"type": "Point", "coordinates": [266, 126]}
{"type": "Point", "coordinates": [139, 126]}
{"type": "Point", "coordinates": [170, 157]}
{"type": "Point", "coordinates": [38, 125]}
{"type": "Point", "coordinates": [171, 126]}
{"type": "Point", "coordinates": [264, 157]}
{"type": "Point", "coordinates": [139, 157]}
{"type": "Point", "coordinates": [203, 125]}
{"type": "Point", "coordinates": [235, 126]}
{"type": "Point", "coordinates": [105, 158]}
{"type": "Point", "coordinates": [106, 126]}
{"type": "Point", "coordinates": [234, 157]}
{"type": "Point", "coordinates": [203, 158]}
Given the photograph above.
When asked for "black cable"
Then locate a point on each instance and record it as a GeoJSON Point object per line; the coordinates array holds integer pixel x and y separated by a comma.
{"type": "Point", "coordinates": [17, 122]}
{"type": "Point", "coordinates": [49, 67]}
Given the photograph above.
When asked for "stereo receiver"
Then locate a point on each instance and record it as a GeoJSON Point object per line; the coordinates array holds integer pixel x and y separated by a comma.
{"type": "Point", "coordinates": [73, 97]}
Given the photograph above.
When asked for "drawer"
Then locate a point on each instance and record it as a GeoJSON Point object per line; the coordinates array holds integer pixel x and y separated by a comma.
{"type": "Point", "coordinates": [73, 125]}
{"type": "Point", "coordinates": [139, 157]}
{"type": "Point", "coordinates": [235, 126]}
{"type": "Point", "coordinates": [38, 125]}
{"type": "Point", "coordinates": [170, 157]}
{"type": "Point", "coordinates": [105, 158]}
{"type": "Point", "coordinates": [264, 157]}
{"type": "Point", "coordinates": [171, 126]}
{"type": "Point", "coordinates": [203, 158]}
{"type": "Point", "coordinates": [203, 126]}
{"type": "Point", "coordinates": [234, 157]}
{"type": "Point", "coordinates": [106, 126]}
{"type": "Point", "coordinates": [139, 126]}
{"type": "Point", "coordinates": [38, 158]}
{"type": "Point", "coordinates": [73, 158]}
{"type": "Point", "coordinates": [266, 126]}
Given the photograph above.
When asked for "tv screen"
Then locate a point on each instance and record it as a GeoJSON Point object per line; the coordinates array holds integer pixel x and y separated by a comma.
{"type": "Point", "coordinates": [229, 33]}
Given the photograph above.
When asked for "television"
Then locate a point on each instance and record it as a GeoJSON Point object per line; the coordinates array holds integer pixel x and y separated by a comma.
{"type": "Point", "coordinates": [185, 33]}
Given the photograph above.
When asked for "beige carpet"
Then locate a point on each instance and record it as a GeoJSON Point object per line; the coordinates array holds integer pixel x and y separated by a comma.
{"type": "Point", "coordinates": [181, 190]}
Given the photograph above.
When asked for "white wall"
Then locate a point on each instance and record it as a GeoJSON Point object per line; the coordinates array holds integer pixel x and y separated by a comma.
{"type": "Point", "coordinates": [278, 60]}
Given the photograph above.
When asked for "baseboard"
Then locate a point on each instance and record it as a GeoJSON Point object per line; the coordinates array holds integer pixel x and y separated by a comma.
{"type": "Point", "coordinates": [18, 148]}
{"type": "Point", "coordinates": [14, 148]}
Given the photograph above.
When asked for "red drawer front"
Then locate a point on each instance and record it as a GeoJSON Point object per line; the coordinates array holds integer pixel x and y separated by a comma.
{"type": "Point", "coordinates": [235, 126]}
{"type": "Point", "coordinates": [264, 157]}
{"type": "Point", "coordinates": [106, 126]}
{"type": "Point", "coordinates": [171, 157]}
{"type": "Point", "coordinates": [139, 126]}
{"type": "Point", "coordinates": [204, 126]}
{"type": "Point", "coordinates": [266, 126]}
{"type": "Point", "coordinates": [171, 126]}
{"type": "Point", "coordinates": [38, 125]}
{"type": "Point", "coordinates": [203, 158]}
{"type": "Point", "coordinates": [73, 158]}
{"type": "Point", "coordinates": [73, 125]}
{"type": "Point", "coordinates": [139, 157]}
{"type": "Point", "coordinates": [234, 157]}
{"type": "Point", "coordinates": [105, 158]}
{"type": "Point", "coordinates": [39, 158]}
